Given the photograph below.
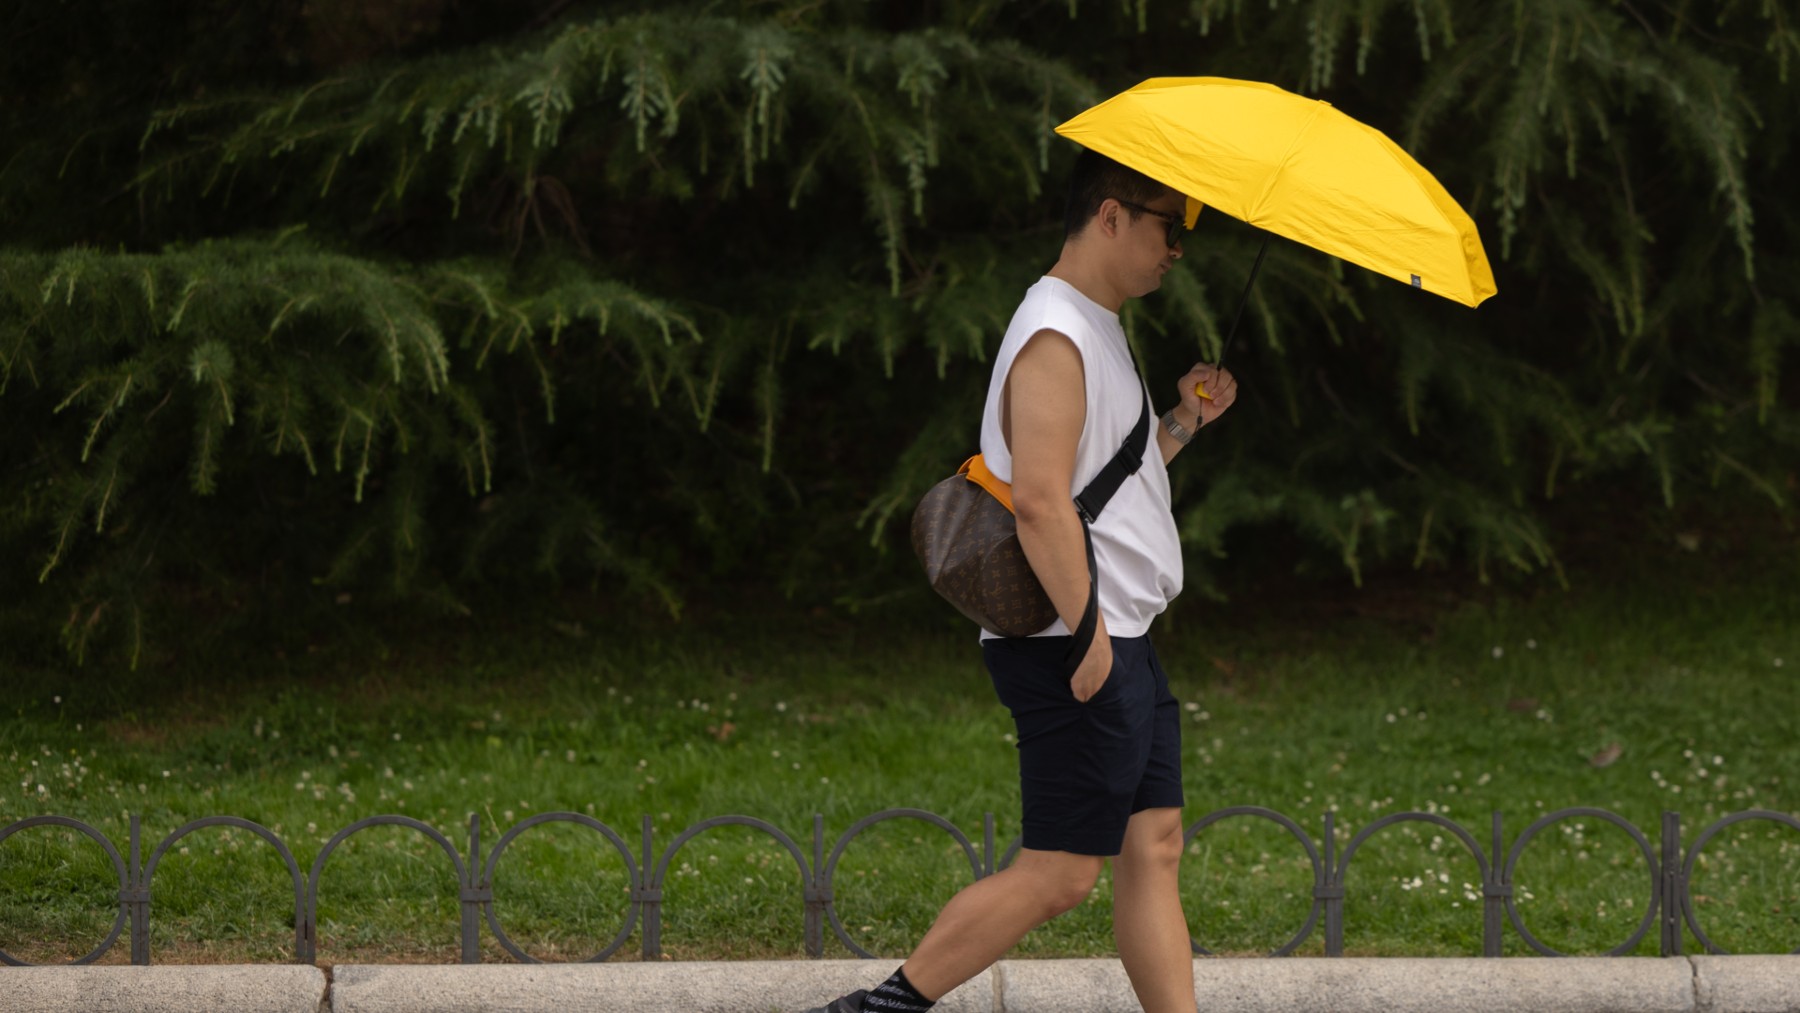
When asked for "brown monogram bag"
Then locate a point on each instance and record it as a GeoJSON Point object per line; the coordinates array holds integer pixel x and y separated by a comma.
{"type": "Point", "coordinates": [964, 533]}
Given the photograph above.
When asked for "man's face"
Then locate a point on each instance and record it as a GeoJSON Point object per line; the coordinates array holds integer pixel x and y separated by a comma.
{"type": "Point", "coordinates": [1144, 252]}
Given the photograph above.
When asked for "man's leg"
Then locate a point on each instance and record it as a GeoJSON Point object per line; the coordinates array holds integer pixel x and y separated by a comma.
{"type": "Point", "coordinates": [1148, 922]}
{"type": "Point", "coordinates": [1074, 811]}
{"type": "Point", "coordinates": [987, 917]}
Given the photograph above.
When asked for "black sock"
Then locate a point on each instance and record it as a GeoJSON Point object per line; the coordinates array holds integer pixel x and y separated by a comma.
{"type": "Point", "coordinates": [896, 995]}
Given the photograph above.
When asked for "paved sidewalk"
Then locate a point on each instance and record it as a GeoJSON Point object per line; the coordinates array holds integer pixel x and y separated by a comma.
{"type": "Point", "coordinates": [1756, 984]}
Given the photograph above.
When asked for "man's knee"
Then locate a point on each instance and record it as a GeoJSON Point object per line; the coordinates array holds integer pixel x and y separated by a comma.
{"type": "Point", "coordinates": [1155, 840]}
{"type": "Point", "coordinates": [1071, 889]}
{"type": "Point", "coordinates": [1064, 881]}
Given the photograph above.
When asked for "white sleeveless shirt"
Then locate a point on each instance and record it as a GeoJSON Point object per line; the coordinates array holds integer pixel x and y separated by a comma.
{"type": "Point", "coordinates": [1136, 547]}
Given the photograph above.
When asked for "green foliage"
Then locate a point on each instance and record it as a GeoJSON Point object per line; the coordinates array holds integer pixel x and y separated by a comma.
{"type": "Point", "coordinates": [258, 364]}
{"type": "Point", "coordinates": [701, 296]}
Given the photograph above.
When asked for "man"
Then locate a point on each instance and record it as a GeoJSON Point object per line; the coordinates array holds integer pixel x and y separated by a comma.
{"type": "Point", "coordinates": [1099, 751]}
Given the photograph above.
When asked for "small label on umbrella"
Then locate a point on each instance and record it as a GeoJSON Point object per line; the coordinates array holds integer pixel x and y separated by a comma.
{"type": "Point", "coordinates": [1416, 282]}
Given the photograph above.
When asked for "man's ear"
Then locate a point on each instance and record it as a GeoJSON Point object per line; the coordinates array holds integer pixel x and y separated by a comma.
{"type": "Point", "coordinates": [1108, 216]}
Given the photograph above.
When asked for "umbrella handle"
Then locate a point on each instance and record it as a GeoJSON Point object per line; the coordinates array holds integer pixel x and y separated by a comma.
{"type": "Point", "coordinates": [1239, 315]}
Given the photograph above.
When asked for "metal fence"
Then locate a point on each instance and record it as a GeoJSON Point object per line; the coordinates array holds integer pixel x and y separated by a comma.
{"type": "Point", "coordinates": [1668, 868]}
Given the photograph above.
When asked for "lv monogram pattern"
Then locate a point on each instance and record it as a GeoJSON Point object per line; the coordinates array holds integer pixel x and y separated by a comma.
{"type": "Point", "coordinates": [969, 545]}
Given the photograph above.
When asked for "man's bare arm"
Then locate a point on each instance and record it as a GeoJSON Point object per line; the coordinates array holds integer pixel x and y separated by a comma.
{"type": "Point", "coordinates": [1046, 406]}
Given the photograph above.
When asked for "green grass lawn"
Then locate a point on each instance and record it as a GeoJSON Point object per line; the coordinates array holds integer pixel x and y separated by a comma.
{"type": "Point", "coordinates": [1638, 696]}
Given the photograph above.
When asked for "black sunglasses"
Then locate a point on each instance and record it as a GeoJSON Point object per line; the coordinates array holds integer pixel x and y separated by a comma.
{"type": "Point", "coordinates": [1176, 224]}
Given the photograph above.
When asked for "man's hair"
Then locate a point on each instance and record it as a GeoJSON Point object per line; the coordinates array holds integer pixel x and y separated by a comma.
{"type": "Point", "coordinates": [1096, 178]}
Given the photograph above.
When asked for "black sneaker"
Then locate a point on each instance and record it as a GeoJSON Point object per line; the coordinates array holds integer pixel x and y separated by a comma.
{"type": "Point", "coordinates": [851, 1003]}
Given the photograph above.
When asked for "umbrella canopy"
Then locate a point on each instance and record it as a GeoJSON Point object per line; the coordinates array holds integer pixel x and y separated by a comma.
{"type": "Point", "coordinates": [1298, 168]}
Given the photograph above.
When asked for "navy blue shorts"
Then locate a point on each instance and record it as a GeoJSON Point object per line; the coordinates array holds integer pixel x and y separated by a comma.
{"type": "Point", "coordinates": [1085, 768]}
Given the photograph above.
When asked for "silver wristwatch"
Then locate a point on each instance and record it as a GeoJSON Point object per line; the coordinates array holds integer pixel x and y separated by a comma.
{"type": "Point", "coordinates": [1176, 429]}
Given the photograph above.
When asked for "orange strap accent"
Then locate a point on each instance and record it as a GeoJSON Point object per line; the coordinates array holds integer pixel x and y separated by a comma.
{"type": "Point", "coordinates": [976, 470]}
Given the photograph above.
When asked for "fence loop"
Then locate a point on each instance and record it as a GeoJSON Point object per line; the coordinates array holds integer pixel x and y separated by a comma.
{"type": "Point", "coordinates": [1643, 843]}
{"type": "Point", "coordinates": [310, 943]}
{"type": "Point", "coordinates": [1687, 868]}
{"type": "Point", "coordinates": [638, 892]}
{"type": "Point", "coordinates": [827, 878]}
{"type": "Point", "coordinates": [1322, 888]}
{"type": "Point", "coordinates": [653, 947]}
{"type": "Point", "coordinates": [112, 852]}
{"type": "Point", "coordinates": [281, 850]}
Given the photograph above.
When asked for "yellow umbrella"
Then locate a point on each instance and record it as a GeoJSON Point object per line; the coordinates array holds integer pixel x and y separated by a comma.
{"type": "Point", "coordinates": [1298, 168]}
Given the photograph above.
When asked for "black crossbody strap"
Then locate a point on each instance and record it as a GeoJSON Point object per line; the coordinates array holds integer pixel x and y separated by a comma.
{"type": "Point", "coordinates": [1126, 462]}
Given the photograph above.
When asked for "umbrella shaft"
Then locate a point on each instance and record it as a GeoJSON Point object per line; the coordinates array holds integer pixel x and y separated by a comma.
{"type": "Point", "coordinates": [1225, 345]}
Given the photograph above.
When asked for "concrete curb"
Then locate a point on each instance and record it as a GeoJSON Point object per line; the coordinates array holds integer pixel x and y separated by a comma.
{"type": "Point", "coordinates": [249, 988]}
{"type": "Point", "coordinates": [1750, 984]}
{"type": "Point", "coordinates": [1747, 984]}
